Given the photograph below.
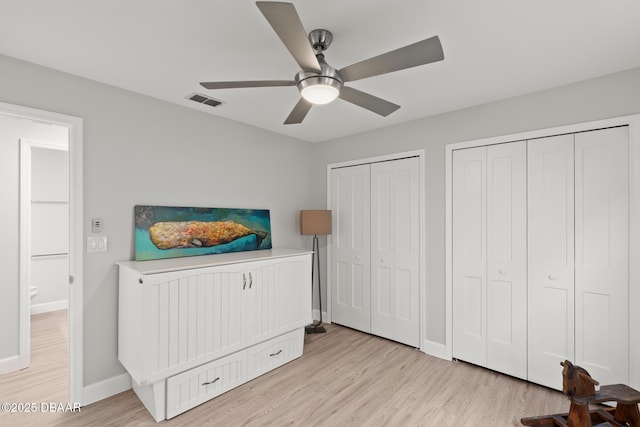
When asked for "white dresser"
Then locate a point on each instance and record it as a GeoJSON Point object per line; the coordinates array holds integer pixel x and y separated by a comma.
{"type": "Point", "coordinates": [193, 328]}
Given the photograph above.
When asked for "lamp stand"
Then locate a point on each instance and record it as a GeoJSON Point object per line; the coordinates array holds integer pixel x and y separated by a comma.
{"type": "Point", "coordinates": [316, 328]}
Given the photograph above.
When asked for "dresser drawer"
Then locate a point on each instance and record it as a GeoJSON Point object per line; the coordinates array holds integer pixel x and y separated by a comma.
{"type": "Point", "coordinates": [197, 385]}
{"type": "Point", "coordinates": [275, 352]}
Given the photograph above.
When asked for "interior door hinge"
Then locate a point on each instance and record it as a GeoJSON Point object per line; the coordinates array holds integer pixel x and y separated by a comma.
{"type": "Point", "coordinates": [70, 280]}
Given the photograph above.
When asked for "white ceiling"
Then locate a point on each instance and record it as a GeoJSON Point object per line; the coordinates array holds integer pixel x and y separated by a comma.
{"type": "Point", "coordinates": [494, 49]}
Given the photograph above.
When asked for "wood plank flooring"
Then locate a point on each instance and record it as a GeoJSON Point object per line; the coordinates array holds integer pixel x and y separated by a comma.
{"type": "Point", "coordinates": [47, 377]}
{"type": "Point", "coordinates": [344, 378]}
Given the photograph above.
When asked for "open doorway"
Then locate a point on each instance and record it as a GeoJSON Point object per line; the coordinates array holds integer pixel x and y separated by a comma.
{"type": "Point", "coordinates": [45, 274]}
{"type": "Point", "coordinates": [44, 257]}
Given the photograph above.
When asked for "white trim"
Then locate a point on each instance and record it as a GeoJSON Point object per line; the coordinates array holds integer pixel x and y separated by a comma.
{"type": "Point", "coordinates": [75, 235]}
{"type": "Point", "coordinates": [11, 364]}
{"type": "Point", "coordinates": [50, 145]}
{"type": "Point", "coordinates": [634, 249]}
{"type": "Point", "coordinates": [633, 122]}
{"type": "Point", "coordinates": [448, 254]}
{"type": "Point", "coordinates": [421, 187]}
{"type": "Point", "coordinates": [105, 388]}
{"type": "Point", "coordinates": [25, 253]}
{"type": "Point", "coordinates": [47, 307]}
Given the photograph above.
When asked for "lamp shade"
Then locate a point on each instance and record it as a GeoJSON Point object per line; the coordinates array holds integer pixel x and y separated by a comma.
{"type": "Point", "coordinates": [315, 222]}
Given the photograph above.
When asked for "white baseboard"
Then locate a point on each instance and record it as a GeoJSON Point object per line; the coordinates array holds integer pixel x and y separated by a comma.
{"type": "Point", "coordinates": [106, 388]}
{"type": "Point", "coordinates": [46, 307]}
{"type": "Point", "coordinates": [12, 364]}
{"type": "Point", "coordinates": [435, 349]}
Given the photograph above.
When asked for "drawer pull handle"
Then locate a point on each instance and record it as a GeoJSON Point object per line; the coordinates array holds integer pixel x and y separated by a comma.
{"type": "Point", "coordinates": [210, 382]}
{"type": "Point", "coordinates": [244, 281]}
{"type": "Point", "coordinates": [250, 280]}
{"type": "Point", "coordinates": [275, 354]}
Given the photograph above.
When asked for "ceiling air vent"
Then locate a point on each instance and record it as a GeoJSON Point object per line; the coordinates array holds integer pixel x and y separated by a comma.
{"type": "Point", "coordinates": [202, 99]}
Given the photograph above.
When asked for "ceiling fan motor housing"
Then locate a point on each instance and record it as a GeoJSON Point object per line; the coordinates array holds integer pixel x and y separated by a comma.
{"type": "Point", "coordinates": [328, 76]}
{"type": "Point", "coordinates": [320, 40]}
{"type": "Point", "coordinates": [328, 79]}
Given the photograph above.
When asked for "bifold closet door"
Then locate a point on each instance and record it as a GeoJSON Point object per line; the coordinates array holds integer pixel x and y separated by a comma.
{"type": "Point", "coordinates": [351, 246]}
{"type": "Point", "coordinates": [507, 258]}
{"type": "Point", "coordinates": [551, 257]}
{"type": "Point", "coordinates": [395, 249]}
{"type": "Point", "coordinates": [602, 254]}
{"type": "Point", "coordinates": [579, 255]}
{"type": "Point", "coordinates": [470, 255]}
{"type": "Point", "coordinates": [489, 257]}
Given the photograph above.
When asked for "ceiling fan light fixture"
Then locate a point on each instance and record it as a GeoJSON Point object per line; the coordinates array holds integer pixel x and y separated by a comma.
{"type": "Point", "coordinates": [319, 89]}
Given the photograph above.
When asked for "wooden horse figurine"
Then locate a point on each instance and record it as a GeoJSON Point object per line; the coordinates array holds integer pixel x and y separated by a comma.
{"type": "Point", "coordinates": [580, 388]}
{"type": "Point", "coordinates": [577, 383]}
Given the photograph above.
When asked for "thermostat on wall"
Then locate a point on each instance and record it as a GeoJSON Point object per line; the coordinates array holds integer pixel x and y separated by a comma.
{"type": "Point", "coordinates": [96, 225]}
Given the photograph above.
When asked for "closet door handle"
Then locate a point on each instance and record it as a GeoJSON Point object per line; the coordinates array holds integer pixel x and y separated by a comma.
{"type": "Point", "coordinates": [250, 280]}
{"type": "Point", "coordinates": [358, 257]}
{"type": "Point", "coordinates": [210, 382]}
{"type": "Point", "coordinates": [383, 260]}
{"type": "Point", "coordinates": [502, 272]}
{"type": "Point", "coordinates": [244, 281]}
{"type": "Point", "coordinates": [552, 277]}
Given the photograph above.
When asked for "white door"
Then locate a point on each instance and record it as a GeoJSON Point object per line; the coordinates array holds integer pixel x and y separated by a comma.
{"type": "Point", "coordinates": [350, 250]}
{"type": "Point", "coordinates": [602, 254]}
{"type": "Point", "coordinates": [489, 257]}
{"type": "Point", "coordinates": [551, 257]}
{"type": "Point", "coordinates": [469, 255]}
{"type": "Point", "coordinates": [506, 279]}
{"type": "Point", "coordinates": [395, 248]}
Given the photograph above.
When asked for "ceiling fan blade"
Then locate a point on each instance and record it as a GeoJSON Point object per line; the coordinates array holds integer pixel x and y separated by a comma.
{"type": "Point", "coordinates": [299, 112]}
{"type": "Point", "coordinates": [257, 83]}
{"type": "Point", "coordinates": [284, 19]}
{"type": "Point", "coordinates": [420, 53]}
{"type": "Point", "coordinates": [365, 100]}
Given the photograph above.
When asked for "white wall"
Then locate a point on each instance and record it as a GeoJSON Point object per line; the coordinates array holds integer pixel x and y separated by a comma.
{"type": "Point", "coordinates": [609, 96]}
{"type": "Point", "coordinates": [49, 228]}
{"type": "Point", "coordinates": [11, 131]}
{"type": "Point", "coordinates": [139, 150]}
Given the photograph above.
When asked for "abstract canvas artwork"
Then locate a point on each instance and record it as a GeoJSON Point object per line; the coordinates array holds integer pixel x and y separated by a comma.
{"type": "Point", "coordinates": [171, 232]}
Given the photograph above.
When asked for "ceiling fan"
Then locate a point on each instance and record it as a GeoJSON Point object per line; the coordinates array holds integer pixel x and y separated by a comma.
{"type": "Point", "coordinates": [317, 81]}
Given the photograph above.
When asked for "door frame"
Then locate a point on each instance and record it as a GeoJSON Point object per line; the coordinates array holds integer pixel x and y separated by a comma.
{"type": "Point", "coordinates": [422, 273]}
{"type": "Point", "coordinates": [633, 122]}
{"type": "Point", "coordinates": [74, 124]}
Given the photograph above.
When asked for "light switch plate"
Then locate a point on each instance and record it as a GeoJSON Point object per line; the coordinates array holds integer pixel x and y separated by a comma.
{"type": "Point", "coordinates": [97, 244]}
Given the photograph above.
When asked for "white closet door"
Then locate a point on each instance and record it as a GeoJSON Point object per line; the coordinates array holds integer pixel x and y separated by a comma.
{"type": "Point", "coordinates": [551, 258]}
{"type": "Point", "coordinates": [507, 258]}
{"type": "Point", "coordinates": [602, 254]}
{"type": "Point", "coordinates": [469, 255]}
{"type": "Point", "coordinates": [395, 234]}
{"type": "Point", "coordinates": [350, 247]}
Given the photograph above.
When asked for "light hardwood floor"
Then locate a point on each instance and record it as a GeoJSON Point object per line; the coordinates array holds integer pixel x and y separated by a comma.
{"type": "Point", "coordinates": [344, 378]}
{"type": "Point", "coordinates": [47, 378]}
